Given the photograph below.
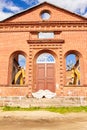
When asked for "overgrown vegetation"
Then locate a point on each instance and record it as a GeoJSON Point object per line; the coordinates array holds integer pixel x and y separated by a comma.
{"type": "Point", "coordinates": [51, 109]}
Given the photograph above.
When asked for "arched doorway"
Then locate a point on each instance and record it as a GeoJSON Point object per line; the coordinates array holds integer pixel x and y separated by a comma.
{"type": "Point", "coordinates": [45, 72]}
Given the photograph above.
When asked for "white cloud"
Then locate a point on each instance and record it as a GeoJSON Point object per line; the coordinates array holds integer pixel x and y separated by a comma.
{"type": "Point", "coordinates": [10, 6]}
{"type": "Point", "coordinates": [29, 2]}
{"type": "Point", "coordinates": [4, 15]}
{"type": "Point", "coordinates": [85, 15]}
{"type": "Point", "coordinates": [13, 8]}
{"type": "Point", "coordinates": [26, 1]}
{"type": "Point", "coordinates": [71, 5]}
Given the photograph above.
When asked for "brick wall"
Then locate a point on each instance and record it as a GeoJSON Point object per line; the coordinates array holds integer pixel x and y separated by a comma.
{"type": "Point", "coordinates": [20, 34]}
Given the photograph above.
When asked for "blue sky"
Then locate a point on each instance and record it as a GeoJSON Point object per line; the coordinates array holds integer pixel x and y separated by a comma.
{"type": "Point", "coordinates": [11, 7]}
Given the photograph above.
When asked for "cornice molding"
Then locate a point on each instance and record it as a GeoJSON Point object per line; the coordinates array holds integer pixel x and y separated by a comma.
{"type": "Point", "coordinates": [43, 22]}
{"type": "Point", "coordinates": [40, 26]}
{"type": "Point", "coordinates": [45, 41]}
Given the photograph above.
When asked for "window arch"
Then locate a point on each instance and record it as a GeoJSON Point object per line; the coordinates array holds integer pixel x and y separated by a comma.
{"type": "Point", "coordinates": [73, 71]}
{"type": "Point", "coordinates": [45, 58]}
{"type": "Point", "coordinates": [17, 68]}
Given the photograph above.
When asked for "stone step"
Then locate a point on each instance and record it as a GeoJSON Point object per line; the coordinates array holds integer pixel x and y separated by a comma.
{"type": "Point", "coordinates": [43, 102]}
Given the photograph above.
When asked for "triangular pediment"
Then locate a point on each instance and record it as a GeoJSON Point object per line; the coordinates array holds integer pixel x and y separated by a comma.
{"type": "Point", "coordinates": [34, 14]}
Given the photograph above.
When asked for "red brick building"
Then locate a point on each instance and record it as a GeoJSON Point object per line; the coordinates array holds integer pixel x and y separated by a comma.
{"type": "Point", "coordinates": [45, 36]}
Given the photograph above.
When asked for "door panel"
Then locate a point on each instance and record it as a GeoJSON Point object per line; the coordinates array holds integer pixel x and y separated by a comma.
{"type": "Point", "coordinates": [45, 76]}
{"type": "Point", "coordinates": [50, 70]}
{"type": "Point", "coordinates": [40, 71]}
{"type": "Point", "coordinates": [40, 74]}
{"type": "Point", "coordinates": [41, 84]}
{"type": "Point", "coordinates": [50, 74]}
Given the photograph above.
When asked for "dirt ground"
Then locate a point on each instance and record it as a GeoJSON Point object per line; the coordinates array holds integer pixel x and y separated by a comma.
{"type": "Point", "coordinates": [42, 120]}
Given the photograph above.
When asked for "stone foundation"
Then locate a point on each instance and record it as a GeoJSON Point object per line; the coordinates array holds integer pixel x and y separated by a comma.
{"type": "Point", "coordinates": [44, 102]}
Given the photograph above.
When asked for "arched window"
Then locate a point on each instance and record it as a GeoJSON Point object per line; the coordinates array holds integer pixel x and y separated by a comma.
{"type": "Point", "coordinates": [17, 68]}
{"type": "Point", "coordinates": [72, 69]}
{"type": "Point", "coordinates": [22, 61]}
{"type": "Point", "coordinates": [45, 58]}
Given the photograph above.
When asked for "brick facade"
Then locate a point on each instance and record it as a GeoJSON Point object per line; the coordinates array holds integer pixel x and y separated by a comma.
{"type": "Point", "coordinates": [19, 35]}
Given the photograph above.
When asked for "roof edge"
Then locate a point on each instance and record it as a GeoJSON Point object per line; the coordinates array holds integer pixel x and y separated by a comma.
{"type": "Point", "coordinates": [21, 12]}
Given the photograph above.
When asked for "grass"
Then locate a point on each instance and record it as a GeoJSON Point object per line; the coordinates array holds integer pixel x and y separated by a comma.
{"type": "Point", "coordinates": [61, 110]}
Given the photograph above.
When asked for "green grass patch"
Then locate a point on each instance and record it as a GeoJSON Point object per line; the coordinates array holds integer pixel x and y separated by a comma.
{"type": "Point", "coordinates": [8, 108]}
{"type": "Point", "coordinates": [61, 110]}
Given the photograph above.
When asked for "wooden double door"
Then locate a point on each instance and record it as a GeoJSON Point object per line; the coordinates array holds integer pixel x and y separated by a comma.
{"type": "Point", "coordinates": [45, 76]}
